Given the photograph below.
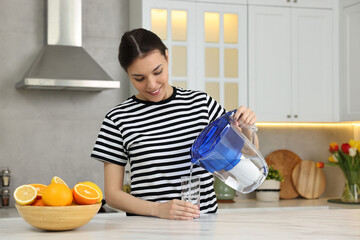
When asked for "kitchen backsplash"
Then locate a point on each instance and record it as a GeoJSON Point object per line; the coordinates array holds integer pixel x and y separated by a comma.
{"type": "Point", "coordinates": [309, 143]}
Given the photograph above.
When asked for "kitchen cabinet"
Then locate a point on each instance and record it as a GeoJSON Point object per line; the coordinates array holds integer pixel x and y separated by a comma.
{"type": "Point", "coordinates": [350, 59]}
{"type": "Point", "coordinates": [295, 3]}
{"type": "Point", "coordinates": [222, 52]}
{"type": "Point", "coordinates": [349, 3]}
{"type": "Point", "coordinates": [289, 60]}
{"type": "Point", "coordinates": [291, 55]}
{"type": "Point", "coordinates": [207, 44]}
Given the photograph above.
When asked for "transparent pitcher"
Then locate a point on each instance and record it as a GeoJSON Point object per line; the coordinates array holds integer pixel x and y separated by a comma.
{"type": "Point", "coordinates": [222, 149]}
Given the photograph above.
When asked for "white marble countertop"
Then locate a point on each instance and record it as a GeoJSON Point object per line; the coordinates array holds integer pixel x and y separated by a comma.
{"type": "Point", "coordinates": [245, 219]}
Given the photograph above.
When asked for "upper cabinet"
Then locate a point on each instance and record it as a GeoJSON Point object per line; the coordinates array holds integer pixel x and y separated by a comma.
{"type": "Point", "coordinates": [350, 61]}
{"type": "Point", "coordinates": [207, 44]}
{"type": "Point", "coordinates": [295, 3]}
{"type": "Point", "coordinates": [291, 52]}
{"type": "Point", "coordinates": [289, 60]}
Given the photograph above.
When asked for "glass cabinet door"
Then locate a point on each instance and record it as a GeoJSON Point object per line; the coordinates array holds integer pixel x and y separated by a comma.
{"type": "Point", "coordinates": [173, 22]}
{"type": "Point", "coordinates": [222, 44]}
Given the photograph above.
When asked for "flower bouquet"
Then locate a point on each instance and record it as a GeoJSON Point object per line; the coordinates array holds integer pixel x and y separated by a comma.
{"type": "Point", "coordinates": [347, 158]}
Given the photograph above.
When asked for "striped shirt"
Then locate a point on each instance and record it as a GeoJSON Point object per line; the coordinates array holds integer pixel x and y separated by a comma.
{"type": "Point", "coordinates": [155, 138]}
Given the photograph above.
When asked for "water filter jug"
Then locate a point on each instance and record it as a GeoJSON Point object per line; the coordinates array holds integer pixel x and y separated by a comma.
{"type": "Point", "coordinates": [222, 149]}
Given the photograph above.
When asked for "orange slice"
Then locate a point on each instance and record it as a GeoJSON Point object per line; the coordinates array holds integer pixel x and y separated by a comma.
{"type": "Point", "coordinates": [25, 194]}
{"type": "Point", "coordinates": [39, 188]}
{"type": "Point", "coordinates": [57, 179]}
{"type": "Point", "coordinates": [91, 184]}
{"type": "Point", "coordinates": [85, 194]}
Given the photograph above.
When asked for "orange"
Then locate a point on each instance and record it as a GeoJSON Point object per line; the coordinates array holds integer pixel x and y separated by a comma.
{"type": "Point", "coordinates": [57, 179]}
{"type": "Point", "coordinates": [85, 194]}
{"type": "Point", "coordinates": [38, 202]}
{"type": "Point", "coordinates": [39, 188]}
{"type": "Point", "coordinates": [25, 195]}
{"type": "Point", "coordinates": [57, 194]}
{"type": "Point", "coordinates": [91, 184]}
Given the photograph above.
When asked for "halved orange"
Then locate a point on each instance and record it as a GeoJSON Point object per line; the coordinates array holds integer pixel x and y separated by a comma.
{"type": "Point", "coordinates": [57, 179]}
{"type": "Point", "coordinates": [91, 184]}
{"type": "Point", "coordinates": [25, 194]}
{"type": "Point", "coordinates": [85, 194]}
{"type": "Point", "coordinates": [38, 202]}
{"type": "Point", "coordinates": [39, 188]}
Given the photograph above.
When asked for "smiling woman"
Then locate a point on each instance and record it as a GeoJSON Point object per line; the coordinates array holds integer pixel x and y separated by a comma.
{"type": "Point", "coordinates": [153, 132]}
{"type": "Point", "coordinates": [149, 75]}
{"type": "Point", "coordinates": [145, 58]}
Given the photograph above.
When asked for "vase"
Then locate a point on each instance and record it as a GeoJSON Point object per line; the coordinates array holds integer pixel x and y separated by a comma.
{"type": "Point", "coordinates": [351, 193]}
{"type": "Point", "coordinates": [268, 191]}
{"type": "Point", "coordinates": [223, 192]}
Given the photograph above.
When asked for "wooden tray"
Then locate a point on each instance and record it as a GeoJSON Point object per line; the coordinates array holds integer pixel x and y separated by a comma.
{"type": "Point", "coordinates": [309, 181]}
{"type": "Point", "coordinates": [285, 161]}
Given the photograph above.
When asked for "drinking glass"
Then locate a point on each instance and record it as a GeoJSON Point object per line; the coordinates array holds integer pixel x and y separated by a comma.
{"type": "Point", "coordinates": [190, 190]}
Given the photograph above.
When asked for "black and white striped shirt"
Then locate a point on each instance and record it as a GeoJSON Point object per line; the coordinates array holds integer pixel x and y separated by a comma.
{"type": "Point", "coordinates": [155, 138]}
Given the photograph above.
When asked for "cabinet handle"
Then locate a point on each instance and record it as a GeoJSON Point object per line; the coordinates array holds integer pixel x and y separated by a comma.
{"type": "Point", "coordinates": [295, 116]}
{"type": "Point", "coordinates": [288, 0]}
{"type": "Point", "coordinates": [288, 116]}
{"type": "Point", "coordinates": [295, 1]}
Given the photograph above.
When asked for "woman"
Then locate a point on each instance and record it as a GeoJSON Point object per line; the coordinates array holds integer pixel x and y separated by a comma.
{"type": "Point", "coordinates": [154, 131]}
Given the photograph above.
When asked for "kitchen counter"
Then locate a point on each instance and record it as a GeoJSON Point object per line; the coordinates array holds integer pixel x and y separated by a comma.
{"type": "Point", "coordinates": [244, 219]}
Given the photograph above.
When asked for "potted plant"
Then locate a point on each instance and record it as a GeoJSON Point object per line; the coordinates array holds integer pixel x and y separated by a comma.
{"type": "Point", "coordinates": [269, 190]}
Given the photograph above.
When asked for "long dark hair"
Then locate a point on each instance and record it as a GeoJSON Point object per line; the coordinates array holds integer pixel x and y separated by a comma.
{"type": "Point", "coordinates": [138, 43]}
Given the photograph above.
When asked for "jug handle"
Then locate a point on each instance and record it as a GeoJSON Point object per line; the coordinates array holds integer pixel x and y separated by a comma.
{"type": "Point", "coordinates": [253, 128]}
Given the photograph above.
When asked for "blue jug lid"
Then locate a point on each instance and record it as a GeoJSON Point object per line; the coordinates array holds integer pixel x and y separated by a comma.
{"type": "Point", "coordinates": [209, 137]}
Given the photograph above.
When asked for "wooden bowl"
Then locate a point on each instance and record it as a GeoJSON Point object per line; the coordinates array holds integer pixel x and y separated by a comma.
{"type": "Point", "coordinates": [58, 218]}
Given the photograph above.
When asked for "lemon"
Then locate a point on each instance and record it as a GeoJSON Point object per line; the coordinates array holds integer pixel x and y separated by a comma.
{"type": "Point", "coordinates": [25, 194]}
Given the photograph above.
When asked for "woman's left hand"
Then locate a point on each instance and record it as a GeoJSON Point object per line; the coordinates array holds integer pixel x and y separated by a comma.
{"type": "Point", "coordinates": [245, 117]}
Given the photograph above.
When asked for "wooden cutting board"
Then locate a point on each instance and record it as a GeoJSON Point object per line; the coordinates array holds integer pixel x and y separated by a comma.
{"type": "Point", "coordinates": [309, 181]}
{"type": "Point", "coordinates": [285, 161]}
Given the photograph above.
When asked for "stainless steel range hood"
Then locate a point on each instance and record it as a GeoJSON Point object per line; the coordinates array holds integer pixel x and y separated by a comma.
{"type": "Point", "coordinates": [63, 64]}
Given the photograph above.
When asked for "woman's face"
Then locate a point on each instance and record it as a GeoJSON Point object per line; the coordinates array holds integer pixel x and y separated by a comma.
{"type": "Point", "coordinates": [149, 75]}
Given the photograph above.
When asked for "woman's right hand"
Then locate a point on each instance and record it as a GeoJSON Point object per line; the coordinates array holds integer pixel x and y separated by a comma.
{"type": "Point", "coordinates": [178, 210]}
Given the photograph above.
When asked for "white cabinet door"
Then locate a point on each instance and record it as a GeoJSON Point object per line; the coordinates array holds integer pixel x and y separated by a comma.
{"type": "Point", "coordinates": [294, 3]}
{"type": "Point", "coordinates": [350, 94]}
{"type": "Point", "coordinates": [325, 4]}
{"type": "Point", "coordinates": [224, 1]}
{"type": "Point", "coordinates": [349, 3]}
{"type": "Point", "coordinates": [222, 53]}
{"type": "Point", "coordinates": [291, 64]}
{"type": "Point", "coordinates": [270, 63]}
{"type": "Point", "coordinates": [312, 65]}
